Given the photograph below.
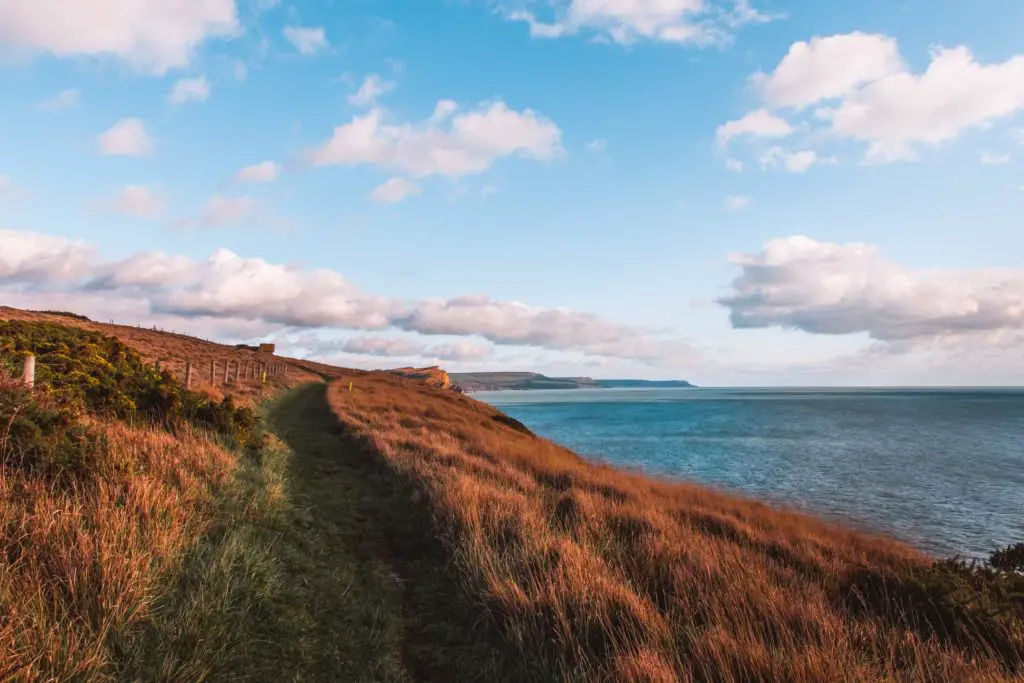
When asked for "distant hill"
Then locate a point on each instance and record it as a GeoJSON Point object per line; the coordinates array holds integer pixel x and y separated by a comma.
{"type": "Point", "coordinates": [525, 381]}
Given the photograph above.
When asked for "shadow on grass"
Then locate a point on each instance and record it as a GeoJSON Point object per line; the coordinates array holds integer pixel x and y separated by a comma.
{"type": "Point", "coordinates": [381, 600]}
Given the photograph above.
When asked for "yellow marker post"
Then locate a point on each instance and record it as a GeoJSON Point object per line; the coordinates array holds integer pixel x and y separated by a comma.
{"type": "Point", "coordinates": [350, 387]}
{"type": "Point", "coordinates": [264, 378]}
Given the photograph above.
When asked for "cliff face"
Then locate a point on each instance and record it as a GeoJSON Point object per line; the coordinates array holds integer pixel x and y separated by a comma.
{"type": "Point", "coordinates": [433, 376]}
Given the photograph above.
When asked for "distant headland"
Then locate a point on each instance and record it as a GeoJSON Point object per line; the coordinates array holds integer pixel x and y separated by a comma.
{"type": "Point", "coordinates": [500, 381]}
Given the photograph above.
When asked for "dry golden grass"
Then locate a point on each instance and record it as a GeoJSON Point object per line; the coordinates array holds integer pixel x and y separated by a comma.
{"type": "Point", "coordinates": [81, 561]}
{"type": "Point", "coordinates": [586, 573]}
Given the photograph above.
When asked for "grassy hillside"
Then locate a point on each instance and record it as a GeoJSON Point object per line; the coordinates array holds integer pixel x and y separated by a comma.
{"type": "Point", "coordinates": [580, 572]}
{"type": "Point", "coordinates": [380, 528]}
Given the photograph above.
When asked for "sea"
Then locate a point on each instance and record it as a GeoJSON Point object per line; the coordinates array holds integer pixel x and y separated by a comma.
{"type": "Point", "coordinates": [942, 469]}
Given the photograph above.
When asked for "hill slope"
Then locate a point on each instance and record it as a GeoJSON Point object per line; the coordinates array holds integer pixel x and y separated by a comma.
{"type": "Point", "coordinates": [389, 530]}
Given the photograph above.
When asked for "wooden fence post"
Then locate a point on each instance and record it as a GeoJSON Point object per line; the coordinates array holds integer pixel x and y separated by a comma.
{"type": "Point", "coordinates": [213, 371]}
{"type": "Point", "coordinates": [157, 365]}
{"type": "Point", "coordinates": [188, 374]}
{"type": "Point", "coordinates": [227, 369]}
{"type": "Point", "coordinates": [29, 375]}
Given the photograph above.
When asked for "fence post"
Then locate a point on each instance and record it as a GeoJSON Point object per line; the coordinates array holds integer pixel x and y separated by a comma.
{"type": "Point", "coordinates": [158, 365]}
{"type": "Point", "coordinates": [188, 374]}
{"type": "Point", "coordinates": [213, 371]}
{"type": "Point", "coordinates": [29, 375]}
{"type": "Point", "coordinates": [227, 369]}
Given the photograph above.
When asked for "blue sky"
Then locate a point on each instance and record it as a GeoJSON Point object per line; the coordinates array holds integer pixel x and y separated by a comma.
{"type": "Point", "coordinates": [728, 192]}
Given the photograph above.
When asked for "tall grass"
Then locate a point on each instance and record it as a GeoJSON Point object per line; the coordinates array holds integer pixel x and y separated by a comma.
{"type": "Point", "coordinates": [581, 572]}
{"type": "Point", "coordinates": [136, 518]}
{"type": "Point", "coordinates": [83, 560]}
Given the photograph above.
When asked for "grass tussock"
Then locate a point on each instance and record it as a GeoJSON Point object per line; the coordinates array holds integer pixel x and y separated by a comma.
{"type": "Point", "coordinates": [581, 572]}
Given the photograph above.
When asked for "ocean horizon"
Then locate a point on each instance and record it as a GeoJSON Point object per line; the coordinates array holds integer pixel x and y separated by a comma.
{"type": "Point", "coordinates": [941, 468]}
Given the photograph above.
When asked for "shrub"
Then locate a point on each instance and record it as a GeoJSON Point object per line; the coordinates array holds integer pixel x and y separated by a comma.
{"type": "Point", "coordinates": [82, 372]}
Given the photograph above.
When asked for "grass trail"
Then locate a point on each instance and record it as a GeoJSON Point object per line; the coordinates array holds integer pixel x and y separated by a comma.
{"type": "Point", "coordinates": [339, 597]}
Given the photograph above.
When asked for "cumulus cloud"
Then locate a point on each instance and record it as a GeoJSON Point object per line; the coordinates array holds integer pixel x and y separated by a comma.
{"type": "Point", "coordinates": [127, 137]}
{"type": "Point", "coordinates": [827, 288]}
{"type": "Point", "coordinates": [29, 257]}
{"type": "Point", "coordinates": [760, 123]}
{"type": "Point", "coordinates": [861, 90]}
{"type": "Point", "coordinates": [372, 88]}
{"type": "Point", "coordinates": [628, 21]}
{"type": "Point", "coordinates": [794, 162]}
{"type": "Point", "coordinates": [263, 172]}
{"type": "Point", "coordinates": [65, 99]}
{"type": "Point", "coordinates": [152, 35]}
{"type": "Point", "coordinates": [394, 190]}
{"type": "Point", "coordinates": [828, 67]}
{"type": "Point", "coordinates": [306, 40]}
{"type": "Point", "coordinates": [447, 144]}
{"type": "Point", "coordinates": [189, 90]}
{"type": "Point", "coordinates": [230, 287]}
{"type": "Point", "coordinates": [392, 347]}
{"type": "Point", "coordinates": [144, 201]}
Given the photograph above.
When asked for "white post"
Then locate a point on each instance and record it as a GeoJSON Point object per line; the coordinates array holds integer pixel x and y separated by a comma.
{"type": "Point", "coordinates": [30, 371]}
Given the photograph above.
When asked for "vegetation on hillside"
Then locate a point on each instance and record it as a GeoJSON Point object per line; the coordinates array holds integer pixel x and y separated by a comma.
{"type": "Point", "coordinates": [115, 485]}
{"type": "Point", "coordinates": [579, 572]}
{"type": "Point", "coordinates": [86, 373]}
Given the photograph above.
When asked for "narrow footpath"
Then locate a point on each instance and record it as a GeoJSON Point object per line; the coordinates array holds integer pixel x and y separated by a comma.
{"type": "Point", "coordinates": [341, 596]}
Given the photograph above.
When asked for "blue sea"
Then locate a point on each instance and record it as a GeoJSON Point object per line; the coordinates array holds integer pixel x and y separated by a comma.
{"type": "Point", "coordinates": [941, 469]}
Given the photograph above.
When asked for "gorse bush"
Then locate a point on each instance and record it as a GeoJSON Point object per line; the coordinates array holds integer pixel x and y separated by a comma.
{"type": "Point", "coordinates": [80, 372]}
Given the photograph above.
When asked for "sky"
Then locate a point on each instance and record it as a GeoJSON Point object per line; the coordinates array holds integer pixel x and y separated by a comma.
{"type": "Point", "coordinates": [732, 192]}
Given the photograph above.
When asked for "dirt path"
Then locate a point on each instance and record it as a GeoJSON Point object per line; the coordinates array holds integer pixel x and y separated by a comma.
{"type": "Point", "coordinates": [341, 594]}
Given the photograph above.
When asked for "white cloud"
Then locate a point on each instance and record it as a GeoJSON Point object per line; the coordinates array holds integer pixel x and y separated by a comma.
{"type": "Point", "coordinates": [953, 94]}
{"type": "Point", "coordinates": [189, 90]}
{"type": "Point", "coordinates": [991, 159]}
{"type": "Point", "coordinates": [827, 288]}
{"type": "Point", "coordinates": [372, 88]}
{"type": "Point", "coordinates": [450, 145]}
{"type": "Point", "coordinates": [65, 99]}
{"type": "Point", "coordinates": [233, 288]}
{"type": "Point", "coordinates": [599, 146]}
{"type": "Point", "coordinates": [759, 123]}
{"type": "Point", "coordinates": [443, 110]}
{"type": "Point", "coordinates": [263, 172]}
{"type": "Point", "coordinates": [737, 202]}
{"type": "Point", "coordinates": [144, 201]}
{"type": "Point", "coordinates": [628, 21]}
{"type": "Point", "coordinates": [873, 97]}
{"type": "Point", "coordinates": [31, 258]}
{"type": "Point", "coordinates": [829, 67]}
{"type": "Point", "coordinates": [392, 347]}
{"type": "Point", "coordinates": [794, 162]}
{"type": "Point", "coordinates": [394, 190]}
{"type": "Point", "coordinates": [127, 137]}
{"type": "Point", "coordinates": [734, 165]}
{"type": "Point", "coordinates": [306, 40]}
{"type": "Point", "coordinates": [152, 35]}
{"type": "Point", "coordinates": [240, 71]}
